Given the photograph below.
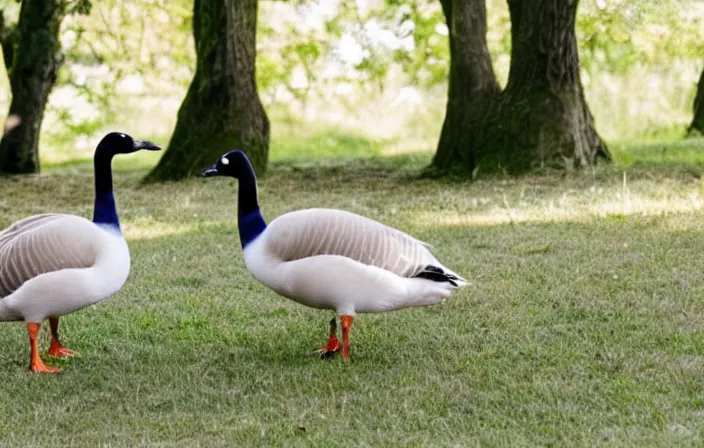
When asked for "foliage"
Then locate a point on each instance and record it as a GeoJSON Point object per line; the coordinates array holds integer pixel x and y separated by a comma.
{"type": "Point", "coordinates": [128, 63]}
{"type": "Point", "coordinates": [615, 35]}
{"type": "Point", "coordinates": [133, 47]}
{"type": "Point", "coordinates": [79, 7]}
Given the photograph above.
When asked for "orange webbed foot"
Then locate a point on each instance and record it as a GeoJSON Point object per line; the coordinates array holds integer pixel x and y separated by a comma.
{"type": "Point", "coordinates": [38, 366]}
{"type": "Point", "coordinates": [44, 369]}
{"type": "Point", "coordinates": [330, 350]}
{"type": "Point", "coordinates": [333, 346]}
{"type": "Point", "coordinates": [57, 350]}
{"type": "Point", "coordinates": [35, 362]}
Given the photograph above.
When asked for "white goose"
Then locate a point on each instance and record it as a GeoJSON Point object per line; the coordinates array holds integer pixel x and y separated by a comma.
{"type": "Point", "coordinates": [54, 264]}
{"type": "Point", "coordinates": [333, 259]}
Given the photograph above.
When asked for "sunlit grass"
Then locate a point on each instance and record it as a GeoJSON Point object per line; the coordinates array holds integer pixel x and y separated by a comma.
{"type": "Point", "coordinates": [666, 151]}
{"type": "Point", "coordinates": [583, 324]}
{"type": "Point", "coordinates": [327, 144]}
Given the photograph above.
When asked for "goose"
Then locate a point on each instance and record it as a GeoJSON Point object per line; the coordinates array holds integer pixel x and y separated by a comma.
{"type": "Point", "coordinates": [55, 264]}
{"type": "Point", "coordinates": [333, 259]}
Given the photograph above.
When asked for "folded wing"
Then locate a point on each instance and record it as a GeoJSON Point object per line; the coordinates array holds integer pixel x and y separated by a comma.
{"type": "Point", "coordinates": [312, 232]}
{"type": "Point", "coordinates": [44, 243]}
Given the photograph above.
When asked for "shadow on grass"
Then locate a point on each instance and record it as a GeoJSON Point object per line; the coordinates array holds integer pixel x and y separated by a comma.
{"type": "Point", "coordinates": [354, 159]}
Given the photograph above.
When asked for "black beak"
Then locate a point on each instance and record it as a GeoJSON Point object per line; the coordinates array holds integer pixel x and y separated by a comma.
{"type": "Point", "coordinates": [149, 146]}
{"type": "Point", "coordinates": [212, 171]}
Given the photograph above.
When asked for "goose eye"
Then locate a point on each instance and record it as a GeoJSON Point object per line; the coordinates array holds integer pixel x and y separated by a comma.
{"type": "Point", "coordinates": [225, 161]}
{"type": "Point", "coordinates": [122, 135]}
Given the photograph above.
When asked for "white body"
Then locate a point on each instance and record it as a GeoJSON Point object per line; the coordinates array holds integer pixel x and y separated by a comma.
{"type": "Point", "coordinates": [342, 261]}
{"type": "Point", "coordinates": [58, 264]}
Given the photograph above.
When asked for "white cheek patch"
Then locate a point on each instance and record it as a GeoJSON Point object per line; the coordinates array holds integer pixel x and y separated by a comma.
{"type": "Point", "coordinates": [225, 161]}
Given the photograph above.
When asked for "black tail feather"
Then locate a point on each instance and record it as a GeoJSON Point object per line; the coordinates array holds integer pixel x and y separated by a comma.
{"type": "Point", "coordinates": [437, 274]}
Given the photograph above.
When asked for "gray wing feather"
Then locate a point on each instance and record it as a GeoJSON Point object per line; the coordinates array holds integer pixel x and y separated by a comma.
{"type": "Point", "coordinates": [41, 244]}
{"type": "Point", "coordinates": [311, 232]}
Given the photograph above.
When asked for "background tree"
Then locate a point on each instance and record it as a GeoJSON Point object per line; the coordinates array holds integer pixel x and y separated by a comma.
{"type": "Point", "coordinates": [541, 119]}
{"type": "Point", "coordinates": [472, 84]}
{"type": "Point", "coordinates": [222, 109]}
{"type": "Point", "coordinates": [698, 120]}
{"type": "Point", "coordinates": [33, 57]}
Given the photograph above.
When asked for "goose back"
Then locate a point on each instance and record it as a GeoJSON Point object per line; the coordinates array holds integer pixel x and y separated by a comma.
{"type": "Point", "coordinates": [45, 243]}
{"type": "Point", "coordinates": [312, 232]}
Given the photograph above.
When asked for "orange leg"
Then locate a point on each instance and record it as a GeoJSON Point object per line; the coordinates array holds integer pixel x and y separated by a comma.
{"type": "Point", "coordinates": [36, 364]}
{"type": "Point", "coordinates": [56, 349]}
{"type": "Point", "coordinates": [346, 325]}
{"type": "Point", "coordinates": [333, 345]}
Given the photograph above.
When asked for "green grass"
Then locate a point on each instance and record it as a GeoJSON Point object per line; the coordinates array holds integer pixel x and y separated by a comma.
{"type": "Point", "coordinates": [583, 323]}
{"type": "Point", "coordinates": [666, 152]}
{"type": "Point", "coordinates": [326, 144]}
{"type": "Point", "coordinates": [325, 147]}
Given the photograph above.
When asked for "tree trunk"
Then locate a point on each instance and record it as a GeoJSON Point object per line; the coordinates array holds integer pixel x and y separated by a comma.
{"type": "Point", "coordinates": [541, 119]}
{"type": "Point", "coordinates": [36, 56]}
{"type": "Point", "coordinates": [472, 85]}
{"type": "Point", "coordinates": [222, 110]}
{"type": "Point", "coordinates": [698, 120]}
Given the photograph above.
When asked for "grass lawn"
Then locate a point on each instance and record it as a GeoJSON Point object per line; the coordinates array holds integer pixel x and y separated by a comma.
{"type": "Point", "coordinates": [583, 323]}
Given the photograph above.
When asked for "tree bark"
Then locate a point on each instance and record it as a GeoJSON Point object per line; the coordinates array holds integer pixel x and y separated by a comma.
{"type": "Point", "coordinates": [472, 86]}
{"type": "Point", "coordinates": [222, 109]}
{"type": "Point", "coordinates": [541, 119]}
{"type": "Point", "coordinates": [698, 120]}
{"type": "Point", "coordinates": [35, 52]}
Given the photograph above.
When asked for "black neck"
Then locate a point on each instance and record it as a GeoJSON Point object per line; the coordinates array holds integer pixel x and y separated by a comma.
{"type": "Point", "coordinates": [247, 198]}
{"type": "Point", "coordinates": [249, 218]}
{"type": "Point", "coordinates": [104, 210]}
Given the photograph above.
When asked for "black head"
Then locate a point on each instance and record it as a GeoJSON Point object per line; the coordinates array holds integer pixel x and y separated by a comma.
{"type": "Point", "coordinates": [234, 164]}
{"type": "Point", "coordinates": [121, 143]}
